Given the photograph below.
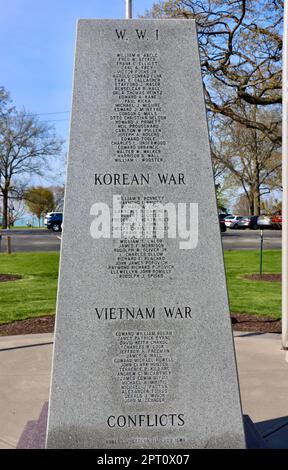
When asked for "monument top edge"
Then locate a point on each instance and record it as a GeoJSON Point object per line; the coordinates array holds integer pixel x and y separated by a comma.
{"type": "Point", "coordinates": [135, 20]}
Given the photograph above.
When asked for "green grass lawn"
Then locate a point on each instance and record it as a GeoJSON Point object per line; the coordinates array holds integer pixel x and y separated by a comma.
{"type": "Point", "coordinates": [35, 294]}
{"type": "Point", "coordinates": [262, 298]}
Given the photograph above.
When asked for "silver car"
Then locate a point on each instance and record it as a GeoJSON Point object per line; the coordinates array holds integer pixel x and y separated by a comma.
{"type": "Point", "coordinates": [250, 221]}
{"type": "Point", "coordinates": [264, 221]}
{"type": "Point", "coordinates": [231, 221]}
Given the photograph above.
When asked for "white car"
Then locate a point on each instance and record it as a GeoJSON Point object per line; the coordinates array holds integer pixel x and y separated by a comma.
{"type": "Point", "coordinates": [231, 221]}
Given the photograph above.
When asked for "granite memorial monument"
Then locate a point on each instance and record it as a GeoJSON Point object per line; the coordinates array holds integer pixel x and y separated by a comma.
{"type": "Point", "coordinates": [144, 354]}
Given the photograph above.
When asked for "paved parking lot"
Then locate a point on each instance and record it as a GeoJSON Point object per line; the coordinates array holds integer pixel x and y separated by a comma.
{"type": "Point", "coordinates": [250, 239]}
{"type": "Point", "coordinates": [46, 240]}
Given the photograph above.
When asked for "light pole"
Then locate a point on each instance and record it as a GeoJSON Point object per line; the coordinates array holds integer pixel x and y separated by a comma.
{"type": "Point", "coordinates": [285, 181]}
{"type": "Point", "coordinates": [128, 9]}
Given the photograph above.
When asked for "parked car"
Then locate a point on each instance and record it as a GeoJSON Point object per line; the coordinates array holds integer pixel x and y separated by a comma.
{"type": "Point", "coordinates": [276, 220]}
{"type": "Point", "coordinates": [223, 227]}
{"type": "Point", "coordinates": [231, 221]}
{"type": "Point", "coordinates": [273, 222]}
{"type": "Point", "coordinates": [264, 221]}
{"type": "Point", "coordinates": [249, 222]}
{"type": "Point", "coordinates": [223, 216]}
{"type": "Point", "coordinates": [53, 221]}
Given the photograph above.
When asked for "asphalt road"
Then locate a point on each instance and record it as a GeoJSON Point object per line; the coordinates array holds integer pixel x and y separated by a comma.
{"type": "Point", "coordinates": [46, 240]}
{"type": "Point", "coordinates": [250, 239]}
{"type": "Point", "coordinates": [31, 240]}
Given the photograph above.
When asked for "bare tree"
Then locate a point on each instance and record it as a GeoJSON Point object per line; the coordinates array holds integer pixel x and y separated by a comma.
{"type": "Point", "coordinates": [241, 47]}
{"type": "Point", "coordinates": [58, 193]}
{"type": "Point", "coordinates": [25, 145]}
{"type": "Point", "coordinates": [242, 206]}
{"type": "Point", "coordinates": [16, 210]}
{"type": "Point", "coordinates": [251, 158]}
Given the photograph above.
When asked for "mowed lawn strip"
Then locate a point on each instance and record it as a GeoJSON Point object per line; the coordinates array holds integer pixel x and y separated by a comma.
{"type": "Point", "coordinates": [35, 294]}
{"type": "Point", "coordinates": [253, 297]}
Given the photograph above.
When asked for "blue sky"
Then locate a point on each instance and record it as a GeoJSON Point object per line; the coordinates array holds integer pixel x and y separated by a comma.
{"type": "Point", "coordinates": [37, 41]}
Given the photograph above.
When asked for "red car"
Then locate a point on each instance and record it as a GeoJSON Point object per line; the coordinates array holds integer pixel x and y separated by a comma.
{"type": "Point", "coordinates": [276, 221]}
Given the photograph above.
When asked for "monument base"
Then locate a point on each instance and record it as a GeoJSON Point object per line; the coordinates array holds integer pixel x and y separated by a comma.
{"type": "Point", "coordinates": [34, 434]}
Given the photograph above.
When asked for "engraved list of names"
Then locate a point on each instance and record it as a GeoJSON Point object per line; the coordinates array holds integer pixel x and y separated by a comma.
{"type": "Point", "coordinates": [137, 113]}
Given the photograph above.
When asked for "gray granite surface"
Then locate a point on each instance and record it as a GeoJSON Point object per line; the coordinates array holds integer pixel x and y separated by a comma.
{"type": "Point", "coordinates": [126, 373]}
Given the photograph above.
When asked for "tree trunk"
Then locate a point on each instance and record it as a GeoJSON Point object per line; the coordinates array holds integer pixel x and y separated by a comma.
{"type": "Point", "coordinates": [257, 202]}
{"type": "Point", "coordinates": [254, 200]}
{"type": "Point", "coordinates": [256, 174]}
{"type": "Point", "coordinates": [5, 209]}
{"type": "Point", "coordinates": [256, 191]}
{"type": "Point", "coordinates": [251, 204]}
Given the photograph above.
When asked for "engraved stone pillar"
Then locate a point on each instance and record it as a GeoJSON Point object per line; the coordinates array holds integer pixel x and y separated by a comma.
{"type": "Point", "coordinates": [144, 354]}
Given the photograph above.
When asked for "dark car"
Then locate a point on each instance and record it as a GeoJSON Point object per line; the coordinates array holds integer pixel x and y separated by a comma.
{"type": "Point", "coordinates": [249, 222]}
{"type": "Point", "coordinates": [223, 216]}
{"type": "Point", "coordinates": [53, 221]}
{"type": "Point", "coordinates": [223, 227]}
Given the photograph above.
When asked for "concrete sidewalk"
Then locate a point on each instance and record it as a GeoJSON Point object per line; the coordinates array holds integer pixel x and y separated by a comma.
{"type": "Point", "coordinates": [25, 367]}
{"type": "Point", "coordinates": [263, 377]}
